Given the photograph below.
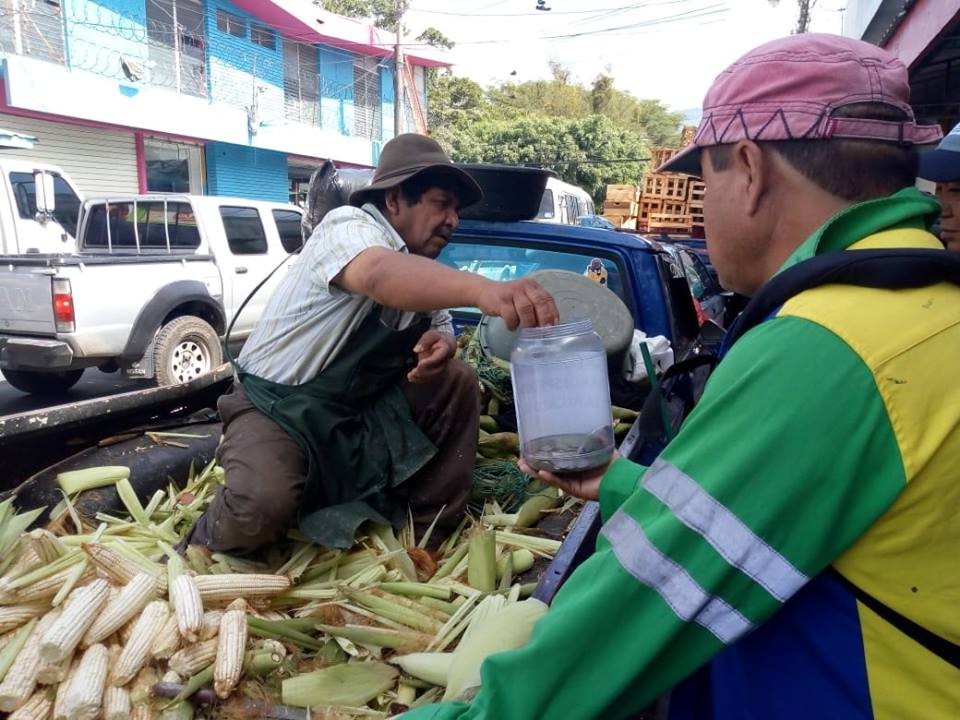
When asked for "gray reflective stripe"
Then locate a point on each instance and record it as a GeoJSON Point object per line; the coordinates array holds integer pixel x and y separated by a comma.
{"type": "Point", "coordinates": [738, 544]}
{"type": "Point", "coordinates": [639, 557]}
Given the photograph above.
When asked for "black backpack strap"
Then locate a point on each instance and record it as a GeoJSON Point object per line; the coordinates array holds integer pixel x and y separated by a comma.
{"type": "Point", "coordinates": [941, 647]}
{"type": "Point", "coordinates": [890, 269]}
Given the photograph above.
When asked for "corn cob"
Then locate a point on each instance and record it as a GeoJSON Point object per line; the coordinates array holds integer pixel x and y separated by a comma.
{"type": "Point", "coordinates": [46, 545]}
{"type": "Point", "coordinates": [231, 645]}
{"type": "Point", "coordinates": [188, 606]}
{"type": "Point", "coordinates": [21, 679]}
{"type": "Point", "coordinates": [58, 703]}
{"type": "Point", "coordinates": [64, 635]}
{"type": "Point", "coordinates": [137, 650]}
{"type": "Point", "coordinates": [167, 641]}
{"type": "Point", "coordinates": [229, 586]}
{"type": "Point", "coordinates": [47, 587]}
{"type": "Point", "coordinates": [128, 603]}
{"type": "Point", "coordinates": [118, 567]}
{"type": "Point", "coordinates": [36, 708]}
{"type": "Point", "coordinates": [116, 703]}
{"type": "Point", "coordinates": [194, 658]}
{"type": "Point", "coordinates": [85, 694]}
{"type": "Point", "coordinates": [27, 560]}
{"type": "Point", "coordinates": [13, 616]}
{"type": "Point", "coordinates": [53, 673]}
{"type": "Point", "coordinates": [141, 712]}
{"type": "Point", "coordinates": [211, 624]}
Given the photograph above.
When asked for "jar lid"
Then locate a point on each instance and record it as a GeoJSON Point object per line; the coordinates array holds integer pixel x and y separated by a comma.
{"type": "Point", "coordinates": [577, 298]}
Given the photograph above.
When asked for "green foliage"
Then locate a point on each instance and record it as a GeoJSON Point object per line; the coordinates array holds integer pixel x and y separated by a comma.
{"type": "Point", "coordinates": [591, 136]}
{"type": "Point", "coordinates": [432, 36]}
{"type": "Point", "coordinates": [383, 13]}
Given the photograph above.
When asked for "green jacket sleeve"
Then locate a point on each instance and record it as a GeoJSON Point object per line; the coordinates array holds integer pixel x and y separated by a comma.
{"type": "Point", "coordinates": [770, 479]}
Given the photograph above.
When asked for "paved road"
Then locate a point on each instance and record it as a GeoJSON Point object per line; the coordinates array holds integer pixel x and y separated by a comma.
{"type": "Point", "coordinates": [93, 384]}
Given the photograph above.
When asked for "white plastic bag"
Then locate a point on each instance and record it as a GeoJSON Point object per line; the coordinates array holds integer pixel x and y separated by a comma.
{"type": "Point", "coordinates": [634, 369]}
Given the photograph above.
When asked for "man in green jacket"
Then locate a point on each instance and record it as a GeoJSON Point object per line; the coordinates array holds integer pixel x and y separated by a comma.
{"type": "Point", "coordinates": [792, 553]}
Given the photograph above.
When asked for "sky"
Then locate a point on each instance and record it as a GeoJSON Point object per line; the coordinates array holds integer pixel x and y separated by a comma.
{"type": "Point", "coordinates": [668, 50]}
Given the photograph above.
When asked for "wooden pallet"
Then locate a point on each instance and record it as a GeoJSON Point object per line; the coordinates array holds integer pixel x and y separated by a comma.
{"type": "Point", "coordinates": [658, 156]}
{"type": "Point", "coordinates": [622, 193]}
{"type": "Point", "coordinates": [687, 135]}
{"type": "Point", "coordinates": [648, 205]}
{"type": "Point", "coordinates": [669, 186]}
{"type": "Point", "coordinates": [616, 219]}
{"type": "Point", "coordinates": [696, 213]}
{"type": "Point", "coordinates": [666, 221]}
{"type": "Point", "coordinates": [695, 191]}
{"type": "Point", "coordinates": [628, 208]}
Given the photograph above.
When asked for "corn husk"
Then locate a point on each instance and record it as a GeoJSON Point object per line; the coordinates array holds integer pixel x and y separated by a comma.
{"type": "Point", "coordinates": [350, 684]}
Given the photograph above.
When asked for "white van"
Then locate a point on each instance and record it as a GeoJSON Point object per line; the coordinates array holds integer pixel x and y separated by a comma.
{"type": "Point", "coordinates": [564, 203]}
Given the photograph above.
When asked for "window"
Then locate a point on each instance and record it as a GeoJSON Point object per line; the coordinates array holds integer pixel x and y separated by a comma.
{"type": "Point", "coordinates": [176, 46]}
{"type": "Point", "coordinates": [288, 225]}
{"type": "Point", "coordinates": [231, 24]}
{"type": "Point", "coordinates": [510, 262]}
{"type": "Point", "coordinates": [33, 29]}
{"type": "Point", "coordinates": [263, 36]}
{"type": "Point", "coordinates": [173, 166]}
{"type": "Point", "coordinates": [111, 226]}
{"type": "Point", "coordinates": [367, 115]}
{"type": "Point", "coordinates": [66, 202]}
{"type": "Point", "coordinates": [546, 205]}
{"type": "Point", "coordinates": [244, 230]}
{"type": "Point", "coordinates": [300, 83]}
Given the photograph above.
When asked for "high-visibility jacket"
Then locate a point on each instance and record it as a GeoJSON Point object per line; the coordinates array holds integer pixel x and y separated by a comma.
{"type": "Point", "coordinates": [826, 444]}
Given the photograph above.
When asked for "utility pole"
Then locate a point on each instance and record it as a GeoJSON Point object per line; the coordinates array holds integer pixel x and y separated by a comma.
{"type": "Point", "coordinates": [397, 78]}
{"type": "Point", "coordinates": [803, 22]}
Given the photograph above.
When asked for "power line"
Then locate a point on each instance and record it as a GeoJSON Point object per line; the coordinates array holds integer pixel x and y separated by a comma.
{"type": "Point", "coordinates": [635, 6]}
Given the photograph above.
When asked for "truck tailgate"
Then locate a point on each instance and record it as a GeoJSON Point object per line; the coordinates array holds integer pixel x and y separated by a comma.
{"type": "Point", "coordinates": [26, 303]}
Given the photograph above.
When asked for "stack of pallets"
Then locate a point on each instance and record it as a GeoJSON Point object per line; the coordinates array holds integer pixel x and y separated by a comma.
{"type": "Point", "coordinates": [620, 205]}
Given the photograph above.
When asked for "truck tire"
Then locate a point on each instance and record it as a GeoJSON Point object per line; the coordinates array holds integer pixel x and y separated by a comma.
{"type": "Point", "coordinates": [186, 348]}
{"type": "Point", "coordinates": [40, 382]}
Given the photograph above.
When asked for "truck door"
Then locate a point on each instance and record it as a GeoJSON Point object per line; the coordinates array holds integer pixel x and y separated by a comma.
{"type": "Point", "coordinates": [249, 262]}
{"type": "Point", "coordinates": [34, 232]}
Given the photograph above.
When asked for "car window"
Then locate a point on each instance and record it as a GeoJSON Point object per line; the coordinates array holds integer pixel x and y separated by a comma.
{"type": "Point", "coordinates": [288, 226]}
{"type": "Point", "coordinates": [244, 229]}
{"type": "Point", "coordinates": [546, 205]}
{"type": "Point", "coordinates": [151, 226]}
{"type": "Point", "coordinates": [510, 262]}
{"type": "Point", "coordinates": [182, 226]}
{"type": "Point", "coordinates": [66, 202]}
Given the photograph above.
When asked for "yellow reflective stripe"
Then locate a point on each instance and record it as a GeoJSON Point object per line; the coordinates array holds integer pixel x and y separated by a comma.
{"type": "Point", "coordinates": [685, 596]}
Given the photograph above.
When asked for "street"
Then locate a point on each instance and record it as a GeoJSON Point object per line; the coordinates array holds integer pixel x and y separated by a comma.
{"type": "Point", "coordinates": [93, 384]}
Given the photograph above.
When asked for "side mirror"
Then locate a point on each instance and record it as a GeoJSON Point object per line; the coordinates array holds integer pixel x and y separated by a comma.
{"type": "Point", "coordinates": [43, 182]}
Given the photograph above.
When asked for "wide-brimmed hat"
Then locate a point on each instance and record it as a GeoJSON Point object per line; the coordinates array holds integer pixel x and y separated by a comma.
{"type": "Point", "coordinates": [943, 164]}
{"type": "Point", "coordinates": [409, 155]}
{"type": "Point", "coordinates": [789, 89]}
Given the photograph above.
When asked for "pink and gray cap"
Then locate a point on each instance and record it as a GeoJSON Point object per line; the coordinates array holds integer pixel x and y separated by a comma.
{"type": "Point", "coordinates": [788, 89]}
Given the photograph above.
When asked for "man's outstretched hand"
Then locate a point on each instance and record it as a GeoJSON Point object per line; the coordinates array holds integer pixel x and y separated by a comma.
{"type": "Point", "coordinates": [585, 485]}
{"type": "Point", "coordinates": [522, 303]}
{"type": "Point", "coordinates": [434, 350]}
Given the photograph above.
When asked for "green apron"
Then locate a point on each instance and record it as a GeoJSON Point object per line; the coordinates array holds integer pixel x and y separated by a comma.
{"type": "Point", "coordinates": [354, 425]}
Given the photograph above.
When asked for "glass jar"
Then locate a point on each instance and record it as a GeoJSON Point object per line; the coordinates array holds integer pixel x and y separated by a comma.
{"type": "Point", "coordinates": [562, 395]}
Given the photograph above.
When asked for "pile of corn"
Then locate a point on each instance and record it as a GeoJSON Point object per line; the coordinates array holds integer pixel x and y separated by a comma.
{"type": "Point", "coordinates": [101, 617]}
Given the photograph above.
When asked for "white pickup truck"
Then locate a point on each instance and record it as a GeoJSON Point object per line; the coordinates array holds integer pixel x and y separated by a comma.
{"type": "Point", "coordinates": [156, 282]}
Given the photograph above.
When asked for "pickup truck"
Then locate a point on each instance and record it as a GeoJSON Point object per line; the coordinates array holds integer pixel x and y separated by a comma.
{"type": "Point", "coordinates": [39, 205]}
{"type": "Point", "coordinates": [155, 283]}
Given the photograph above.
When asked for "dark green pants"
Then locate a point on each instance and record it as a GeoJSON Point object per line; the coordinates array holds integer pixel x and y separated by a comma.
{"type": "Point", "coordinates": [265, 468]}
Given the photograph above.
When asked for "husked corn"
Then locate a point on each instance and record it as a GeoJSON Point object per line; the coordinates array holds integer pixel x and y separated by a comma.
{"type": "Point", "coordinates": [188, 606]}
{"type": "Point", "coordinates": [64, 635]}
{"type": "Point", "coordinates": [36, 708]}
{"type": "Point", "coordinates": [211, 624]}
{"type": "Point", "coordinates": [13, 616]}
{"type": "Point", "coordinates": [48, 587]}
{"type": "Point", "coordinates": [167, 641]}
{"type": "Point", "coordinates": [119, 568]}
{"type": "Point", "coordinates": [142, 712]}
{"type": "Point", "coordinates": [136, 652]}
{"type": "Point", "coordinates": [229, 586]}
{"type": "Point", "coordinates": [231, 645]}
{"type": "Point", "coordinates": [53, 673]}
{"type": "Point", "coordinates": [21, 679]}
{"type": "Point", "coordinates": [127, 604]}
{"type": "Point", "coordinates": [85, 693]}
{"type": "Point", "coordinates": [116, 703]}
{"type": "Point", "coordinates": [58, 703]}
{"type": "Point", "coordinates": [194, 658]}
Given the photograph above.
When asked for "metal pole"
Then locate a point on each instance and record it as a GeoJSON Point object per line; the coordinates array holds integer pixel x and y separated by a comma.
{"type": "Point", "coordinates": [397, 81]}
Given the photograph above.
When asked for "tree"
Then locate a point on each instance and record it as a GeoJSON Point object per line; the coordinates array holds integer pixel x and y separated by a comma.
{"type": "Point", "coordinates": [432, 36]}
{"type": "Point", "coordinates": [601, 93]}
{"type": "Point", "coordinates": [383, 13]}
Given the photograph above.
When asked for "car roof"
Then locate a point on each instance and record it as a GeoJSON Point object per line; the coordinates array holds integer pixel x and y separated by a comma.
{"type": "Point", "coordinates": [556, 232]}
{"type": "Point", "coordinates": [214, 200]}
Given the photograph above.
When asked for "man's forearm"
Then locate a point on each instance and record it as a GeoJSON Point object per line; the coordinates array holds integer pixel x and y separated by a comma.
{"type": "Point", "coordinates": [409, 282]}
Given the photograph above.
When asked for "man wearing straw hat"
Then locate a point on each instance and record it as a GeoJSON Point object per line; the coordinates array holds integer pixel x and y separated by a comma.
{"type": "Point", "coordinates": [348, 404]}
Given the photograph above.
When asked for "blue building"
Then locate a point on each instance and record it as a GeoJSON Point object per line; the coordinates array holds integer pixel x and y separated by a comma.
{"type": "Point", "coordinates": [241, 97]}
